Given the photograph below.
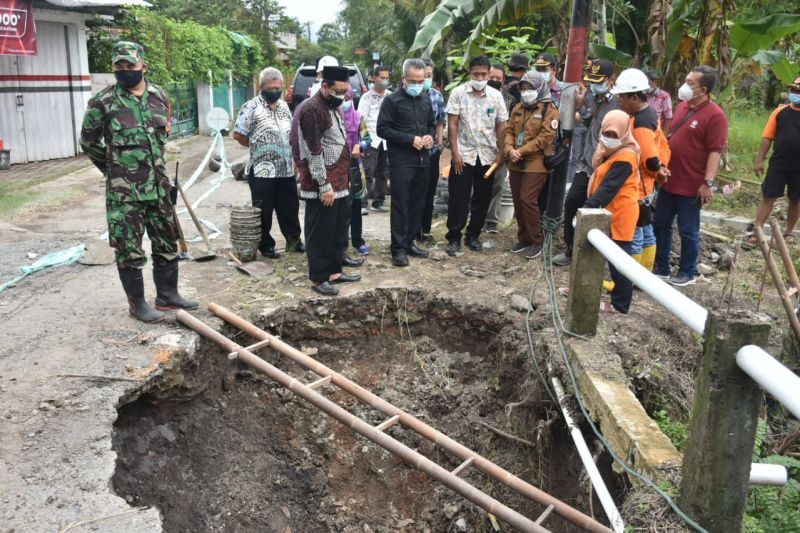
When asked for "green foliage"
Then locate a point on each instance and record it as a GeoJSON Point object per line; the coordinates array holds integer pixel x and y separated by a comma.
{"type": "Point", "coordinates": [676, 430]}
{"type": "Point", "coordinates": [775, 509]}
{"type": "Point", "coordinates": [499, 47]}
{"type": "Point", "coordinates": [178, 51]}
{"type": "Point", "coordinates": [484, 18]}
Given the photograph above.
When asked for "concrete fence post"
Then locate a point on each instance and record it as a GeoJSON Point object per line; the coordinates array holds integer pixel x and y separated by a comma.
{"type": "Point", "coordinates": [719, 450]}
{"type": "Point", "coordinates": [586, 273]}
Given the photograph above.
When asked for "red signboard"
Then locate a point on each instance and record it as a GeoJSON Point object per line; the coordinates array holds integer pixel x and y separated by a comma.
{"type": "Point", "coordinates": [17, 29]}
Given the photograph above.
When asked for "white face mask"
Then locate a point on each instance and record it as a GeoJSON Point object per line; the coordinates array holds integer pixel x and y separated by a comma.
{"type": "Point", "coordinates": [685, 93]}
{"type": "Point", "coordinates": [346, 105]}
{"type": "Point", "coordinates": [529, 97]}
{"type": "Point", "coordinates": [610, 142]}
{"type": "Point", "coordinates": [479, 85]}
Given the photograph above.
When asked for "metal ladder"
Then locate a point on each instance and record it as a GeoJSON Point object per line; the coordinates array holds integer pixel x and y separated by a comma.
{"type": "Point", "coordinates": [395, 415]}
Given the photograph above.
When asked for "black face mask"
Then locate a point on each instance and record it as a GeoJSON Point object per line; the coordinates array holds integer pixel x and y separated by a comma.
{"type": "Point", "coordinates": [333, 102]}
{"type": "Point", "coordinates": [128, 78]}
{"type": "Point", "coordinates": [271, 96]}
{"type": "Point", "coordinates": [495, 84]}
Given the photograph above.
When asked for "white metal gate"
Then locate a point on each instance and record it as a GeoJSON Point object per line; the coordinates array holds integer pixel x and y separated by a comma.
{"type": "Point", "coordinates": [42, 97]}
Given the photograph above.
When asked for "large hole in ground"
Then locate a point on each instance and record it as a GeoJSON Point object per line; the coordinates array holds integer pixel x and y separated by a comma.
{"type": "Point", "coordinates": [216, 446]}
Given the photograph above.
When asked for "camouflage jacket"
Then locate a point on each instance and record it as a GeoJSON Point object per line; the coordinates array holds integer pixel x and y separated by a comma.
{"type": "Point", "coordinates": [124, 136]}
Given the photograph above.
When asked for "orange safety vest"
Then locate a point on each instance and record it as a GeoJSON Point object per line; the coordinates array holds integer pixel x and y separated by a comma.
{"type": "Point", "coordinates": [624, 207]}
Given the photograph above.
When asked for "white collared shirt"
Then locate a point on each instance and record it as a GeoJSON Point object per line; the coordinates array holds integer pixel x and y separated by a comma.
{"type": "Point", "coordinates": [478, 116]}
{"type": "Point", "coordinates": [369, 107]}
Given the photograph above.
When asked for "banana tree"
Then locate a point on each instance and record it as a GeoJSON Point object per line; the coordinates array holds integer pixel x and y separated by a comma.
{"type": "Point", "coordinates": [491, 14]}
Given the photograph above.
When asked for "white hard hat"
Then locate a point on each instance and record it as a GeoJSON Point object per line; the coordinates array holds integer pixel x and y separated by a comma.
{"type": "Point", "coordinates": [631, 80]}
{"type": "Point", "coordinates": [326, 61]}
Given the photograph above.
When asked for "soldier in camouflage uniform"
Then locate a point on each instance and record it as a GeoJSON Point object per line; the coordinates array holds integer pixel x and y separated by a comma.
{"type": "Point", "coordinates": [124, 131]}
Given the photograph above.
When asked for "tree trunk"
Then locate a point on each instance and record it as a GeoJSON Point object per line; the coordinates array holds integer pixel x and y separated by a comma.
{"type": "Point", "coordinates": [657, 30]}
{"type": "Point", "coordinates": [602, 22]}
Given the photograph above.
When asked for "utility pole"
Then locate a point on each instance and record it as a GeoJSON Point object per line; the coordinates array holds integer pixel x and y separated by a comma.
{"type": "Point", "coordinates": [573, 68]}
{"type": "Point", "coordinates": [308, 29]}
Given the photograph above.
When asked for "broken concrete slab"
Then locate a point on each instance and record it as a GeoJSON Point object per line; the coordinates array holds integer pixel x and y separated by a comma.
{"type": "Point", "coordinates": [620, 417]}
{"type": "Point", "coordinates": [97, 252]}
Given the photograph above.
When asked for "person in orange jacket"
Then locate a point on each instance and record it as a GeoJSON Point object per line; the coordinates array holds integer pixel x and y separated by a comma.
{"type": "Point", "coordinates": [615, 185]}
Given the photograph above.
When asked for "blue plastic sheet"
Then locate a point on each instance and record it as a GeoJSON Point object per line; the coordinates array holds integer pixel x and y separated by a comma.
{"type": "Point", "coordinates": [64, 257]}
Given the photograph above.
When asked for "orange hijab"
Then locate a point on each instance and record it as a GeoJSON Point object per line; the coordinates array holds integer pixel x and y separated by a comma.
{"type": "Point", "coordinates": [620, 123]}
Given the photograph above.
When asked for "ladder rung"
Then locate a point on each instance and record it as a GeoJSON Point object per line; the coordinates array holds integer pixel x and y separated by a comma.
{"type": "Point", "coordinates": [256, 346]}
{"type": "Point", "coordinates": [388, 423]}
{"type": "Point", "coordinates": [463, 465]}
{"type": "Point", "coordinates": [545, 514]}
{"type": "Point", "coordinates": [319, 383]}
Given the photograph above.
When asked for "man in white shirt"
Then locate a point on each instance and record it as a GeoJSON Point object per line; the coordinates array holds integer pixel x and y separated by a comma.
{"type": "Point", "coordinates": [476, 127]}
{"type": "Point", "coordinates": [376, 157]}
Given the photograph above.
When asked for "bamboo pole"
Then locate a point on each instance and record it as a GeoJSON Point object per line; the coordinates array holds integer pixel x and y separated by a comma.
{"type": "Point", "coordinates": [462, 452]}
{"type": "Point", "coordinates": [788, 305]}
{"type": "Point", "coordinates": [379, 437]}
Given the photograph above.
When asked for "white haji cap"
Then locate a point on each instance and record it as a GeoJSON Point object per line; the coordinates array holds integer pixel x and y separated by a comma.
{"type": "Point", "coordinates": [327, 61]}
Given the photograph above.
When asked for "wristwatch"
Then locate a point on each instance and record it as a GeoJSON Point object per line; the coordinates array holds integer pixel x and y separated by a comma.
{"type": "Point", "coordinates": [709, 183]}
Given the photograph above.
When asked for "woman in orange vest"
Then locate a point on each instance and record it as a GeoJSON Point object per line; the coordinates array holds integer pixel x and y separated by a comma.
{"type": "Point", "coordinates": [615, 186]}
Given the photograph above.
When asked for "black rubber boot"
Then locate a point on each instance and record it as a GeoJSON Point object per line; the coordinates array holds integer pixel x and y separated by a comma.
{"type": "Point", "coordinates": [133, 283]}
{"type": "Point", "coordinates": [167, 297]}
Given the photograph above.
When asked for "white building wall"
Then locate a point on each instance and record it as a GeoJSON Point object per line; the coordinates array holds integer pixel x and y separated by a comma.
{"type": "Point", "coordinates": [43, 97]}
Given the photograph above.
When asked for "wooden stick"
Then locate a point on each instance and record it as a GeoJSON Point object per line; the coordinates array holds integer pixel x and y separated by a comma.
{"type": "Point", "coordinates": [788, 305]}
{"type": "Point", "coordinates": [490, 171]}
{"type": "Point", "coordinates": [507, 435]}
{"type": "Point", "coordinates": [92, 520]}
{"type": "Point", "coordinates": [763, 280]}
{"type": "Point", "coordinates": [96, 376]}
{"type": "Point", "coordinates": [717, 236]}
{"type": "Point", "coordinates": [777, 234]}
{"type": "Point", "coordinates": [789, 441]}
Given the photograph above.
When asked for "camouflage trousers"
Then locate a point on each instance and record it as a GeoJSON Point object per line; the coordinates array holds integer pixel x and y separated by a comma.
{"type": "Point", "coordinates": [127, 222]}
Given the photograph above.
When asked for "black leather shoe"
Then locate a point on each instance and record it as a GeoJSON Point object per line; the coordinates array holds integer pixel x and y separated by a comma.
{"type": "Point", "coordinates": [347, 278]}
{"type": "Point", "coordinates": [453, 248]}
{"type": "Point", "coordinates": [426, 238]}
{"type": "Point", "coordinates": [400, 259]}
{"type": "Point", "coordinates": [474, 244]}
{"type": "Point", "coordinates": [325, 289]}
{"type": "Point", "coordinates": [296, 247]}
{"type": "Point", "coordinates": [350, 262]}
{"type": "Point", "coordinates": [271, 254]}
{"type": "Point", "coordinates": [416, 251]}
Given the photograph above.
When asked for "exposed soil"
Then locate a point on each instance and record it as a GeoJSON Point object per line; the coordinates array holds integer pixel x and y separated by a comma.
{"type": "Point", "coordinates": [246, 455]}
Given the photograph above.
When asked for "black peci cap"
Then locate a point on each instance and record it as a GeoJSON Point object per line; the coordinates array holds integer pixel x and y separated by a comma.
{"type": "Point", "coordinates": [336, 73]}
{"type": "Point", "coordinates": [519, 62]}
{"type": "Point", "coordinates": [599, 70]}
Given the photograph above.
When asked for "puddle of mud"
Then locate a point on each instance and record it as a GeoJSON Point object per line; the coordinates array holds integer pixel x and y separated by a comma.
{"type": "Point", "coordinates": [217, 447]}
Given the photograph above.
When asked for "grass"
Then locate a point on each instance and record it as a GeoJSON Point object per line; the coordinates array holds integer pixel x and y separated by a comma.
{"type": "Point", "coordinates": [20, 194]}
{"type": "Point", "coordinates": [744, 137]}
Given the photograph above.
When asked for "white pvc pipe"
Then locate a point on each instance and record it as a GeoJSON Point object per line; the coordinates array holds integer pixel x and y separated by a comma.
{"type": "Point", "coordinates": [764, 474]}
{"type": "Point", "coordinates": [690, 312]}
{"type": "Point", "coordinates": [776, 379]}
{"type": "Point", "coordinates": [588, 462]}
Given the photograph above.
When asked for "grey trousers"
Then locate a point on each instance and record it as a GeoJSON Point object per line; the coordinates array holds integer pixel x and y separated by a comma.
{"type": "Point", "coordinates": [500, 184]}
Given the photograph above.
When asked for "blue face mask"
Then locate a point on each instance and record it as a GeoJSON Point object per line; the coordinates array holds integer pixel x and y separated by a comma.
{"type": "Point", "coordinates": [427, 84]}
{"type": "Point", "coordinates": [415, 89]}
{"type": "Point", "coordinates": [598, 88]}
{"type": "Point", "coordinates": [794, 98]}
{"type": "Point", "coordinates": [546, 76]}
{"type": "Point", "coordinates": [371, 86]}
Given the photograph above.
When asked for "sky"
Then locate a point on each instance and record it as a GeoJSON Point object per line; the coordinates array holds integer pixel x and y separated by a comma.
{"type": "Point", "coordinates": [318, 12]}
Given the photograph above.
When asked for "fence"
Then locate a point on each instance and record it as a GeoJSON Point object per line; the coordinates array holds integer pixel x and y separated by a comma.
{"type": "Point", "coordinates": [183, 98]}
{"type": "Point", "coordinates": [717, 464]}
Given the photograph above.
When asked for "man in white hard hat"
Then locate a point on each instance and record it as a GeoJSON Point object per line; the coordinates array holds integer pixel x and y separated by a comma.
{"type": "Point", "coordinates": [632, 88]}
{"type": "Point", "coordinates": [324, 61]}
